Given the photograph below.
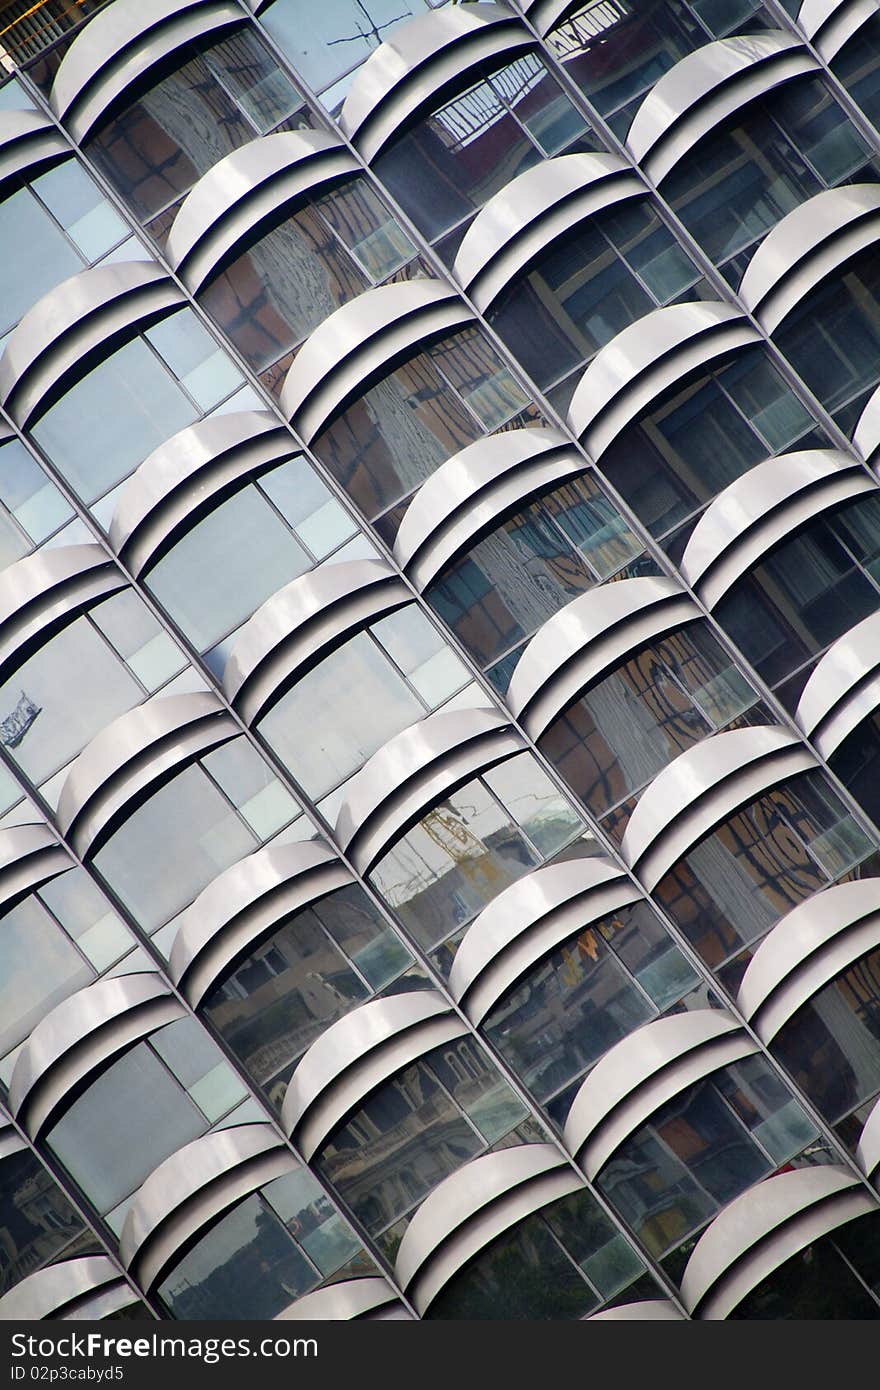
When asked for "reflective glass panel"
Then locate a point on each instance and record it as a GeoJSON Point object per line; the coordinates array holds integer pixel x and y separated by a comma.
{"type": "Point", "coordinates": [831, 1046]}
{"type": "Point", "coordinates": [123, 1126]}
{"type": "Point", "coordinates": [39, 966]}
{"type": "Point", "coordinates": [404, 1139]}
{"type": "Point", "coordinates": [339, 713]}
{"type": "Point", "coordinates": [37, 1222]}
{"type": "Point", "coordinates": [452, 864]}
{"type": "Point", "coordinates": [298, 981]}
{"type": "Point", "coordinates": [392, 438]}
{"type": "Point", "coordinates": [737, 882]}
{"type": "Point", "coordinates": [223, 545]}
{"type": "Point", "coordinates": [39, 255]}
{"type": "Point", "coordinates": [677, 1171]}
{"type": "Point", "coordinates": [156, 148]}
{"type": "Point", "coordinates": [106, 424]}
{"type": "Point", "coordinates": [173, 846]}
{"type": "Point", "coordinates": [623, 731]}
{"type": "Point", "coordinates": [246, 1266]}
{"type": "Point", "coordinates": [61, 698]}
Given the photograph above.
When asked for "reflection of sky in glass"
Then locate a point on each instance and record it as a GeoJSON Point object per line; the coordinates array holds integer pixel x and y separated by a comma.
{"type": "Point", "coordinates": [469, 825]}
{"type": "Point", "coordinates": [338, 714]}
{"type": "Point", "coordinates": [127, 1122]}
{"type": "Point", "coordinates": [39, 967]}
{"type": "Point", "coordinates": [172, 846]}
{"type": "Point", "coordinates": [328, 42]}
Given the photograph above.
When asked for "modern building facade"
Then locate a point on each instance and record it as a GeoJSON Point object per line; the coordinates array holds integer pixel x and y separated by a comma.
{"type": "Point", "coordinates": [440, 660]}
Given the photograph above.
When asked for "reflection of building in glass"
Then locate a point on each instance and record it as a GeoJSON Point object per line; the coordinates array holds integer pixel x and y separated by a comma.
{"type": "Point", "coordinates": [439, 701]}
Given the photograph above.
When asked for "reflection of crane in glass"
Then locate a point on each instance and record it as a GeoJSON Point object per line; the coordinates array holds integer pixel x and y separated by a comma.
{"type": "Point", "coordinates": [459, 846]}
{"type": "Point", "coordinates": [466, 850]}
{"type": "Point", "coordinates": [453, 836]}
{"type": "Point", "coordinates": [374, 31]}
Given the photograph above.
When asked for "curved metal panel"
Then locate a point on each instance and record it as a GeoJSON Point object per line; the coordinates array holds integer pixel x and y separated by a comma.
{"type": "Point", "coordinates": [354, 343]}
{"type": "Point", "coordinates": [843, 688]}
{"type": "Point", "coordinates": [61, 333]}
{"type": "Point", "coordinates": [422, 59]}
{"type": "Point", "coordinates": [528, 920]}
{"type": "Point", "coordinates": [643, 1072]}
{"type": "Point", "coordinates": [546, 14]}
{"type": "Point", "coordinates": [245, 903]}
{"type": "Point", "coordinates": [178, 482]}
{"type": "Point", "coordinates": [43, 592]}
{"type": "Point", "coordinates": [648, 358]}
{"type": "Point", "coordinates": [243, 191]}
{"type": "Point", "coordinates": [414, 770]}
{"type": "Point", "coordinates": [811, 945]}
{"type": "Point", "coordinates": [707, 87]}
{"type": "Point", "coordinates": [703, 787]}
{"type": "Point", "coordinates": [80, 1036]}
{"type": "Point", "coordinates": [474, 488]}
{"type": "Point", "coordinates": [120, 46]}
{"type": "Point", "coordinates": [358, 1053]}
{"type": "Point", "coordinates": [587, 639]}
{"type": "Point", "coordinates": [29, 856]}
{"type": "Point", "coordinates": [761, 1229]}
{"type": "Point", "coordinates": [49, 1292]}
{"type": "Point", "coordinates": [193, 1187]}
{"type": "Point", "coordinates": [105, 1303]}
{"type": "Point", "coordinates": [866, 436]}
{"type": "Point", "coordinates": [652, 1310]}
{"type": "Point", "coordinates": [342, 1302]}
{"type": "Point", "coordinates": [115, 770]}
{"type": "Point", "coordinates": [28, 141]}
{"type": "Point", "coordinates": [868, 1151]}
{"type": "Point", "coordinates": [301, 624]}
{"type": "Point", "coordinates": [471, 1208]}
{"type": "Point", "coordinates": [762, 508]}
{"type": "Point", "coordinates": [525, 217]}
{"type": "Point", "coordinates": [829, 24]}
{"type": "Point", "coordinates": [806, 246]}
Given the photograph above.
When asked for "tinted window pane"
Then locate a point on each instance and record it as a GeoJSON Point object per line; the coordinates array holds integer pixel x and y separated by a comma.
{"type": "Point", "coordinates": [125, 1124]}
{"type": "Point", "coordinates": [224, 545]}
{"type": "Point", "coordinates": [832, 1045]}
{"type": "Point", "coordinates": [399, 1145]}
{"type": "Point", "coordinates": [38, 256]}
{"type": "Point", "coordinates": [282, 997]}
{"type": "Point", "coordinates": [38, 966]}
{"type": "Point", "coordinates": [107, 423]}
{"type": "Point", "coordinates": [579, 296]}
{"type": "Point", "coordinates": [525, 1275]}
{"type": "Point", "coordinates": [565, 1014]}
{"type": "Point", "coordinates": [814, 1284]}
{"type": "Point", "coordinates": [452, 864]}
{"type": "Point", "coordinates": [211, 104]}
{"type": "Point", "coordinates": [452, 163]}
{"type": "Point", "coordinates": [841, 315]}
{"type": "Point", "coordinates": [335, 39]}
{"type": "Point", "coordinates": [36, 1220]}
{"type": "Point", "coordinates": [622, 732]}
{"type": "Point", "coordinates": [338, 714]}
{"type": "Point", "coordinates": [172, 846]}
{"type": "Point", "coordinates": [245, 1267]}
{"type": "Point", "coordinates": [394, 437]}
{"type": "Point", "coordinates": [287, 283]}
